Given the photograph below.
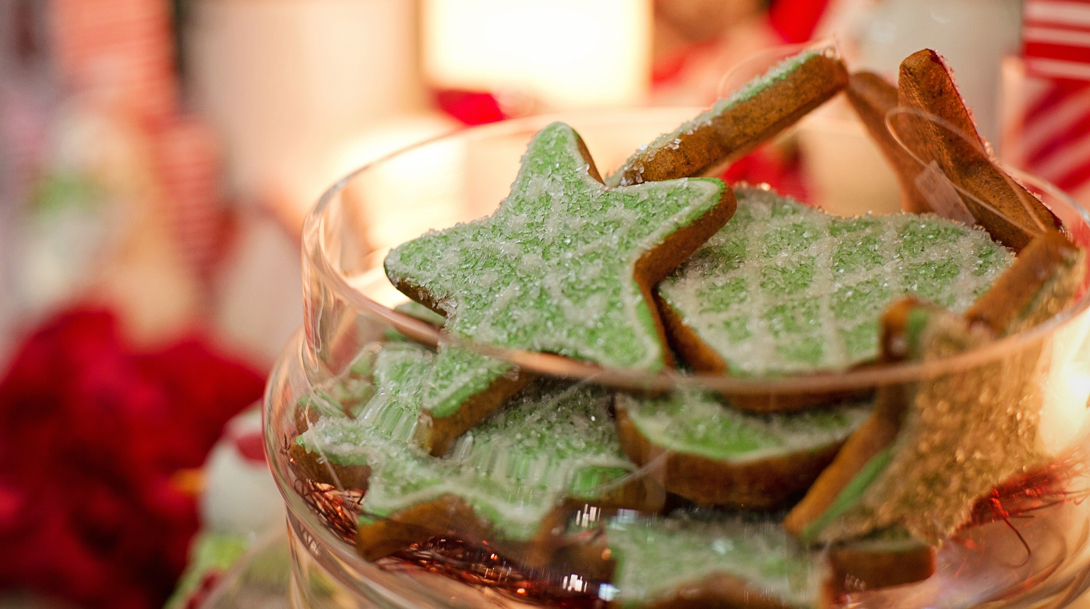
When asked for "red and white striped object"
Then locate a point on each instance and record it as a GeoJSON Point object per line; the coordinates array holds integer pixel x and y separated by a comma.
{"type": "Point", "coordinates": [123, 48]}
{"type": "Point", "coordinates": [1048, 132]}
{"type": "Point", "coordinates": [1056, 38]}
{"type": "Point", "coordinates": [188, 161]}
{"type": "Point", "coordinates": [1053, 139]}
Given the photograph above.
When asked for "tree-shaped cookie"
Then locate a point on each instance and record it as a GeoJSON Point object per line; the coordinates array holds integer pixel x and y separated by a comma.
{"type": "Point", "coordinates": [788, 289]}
{"type": "Point", "coordinates": [565, 265]}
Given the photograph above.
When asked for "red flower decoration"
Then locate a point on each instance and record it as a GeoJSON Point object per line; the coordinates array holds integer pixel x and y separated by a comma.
{"type": "Point", "coordinates": [92, 434]}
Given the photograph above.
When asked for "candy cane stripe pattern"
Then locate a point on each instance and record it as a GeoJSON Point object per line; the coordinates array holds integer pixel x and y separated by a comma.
{"type": "Point", "coordinates": [1055, 139]}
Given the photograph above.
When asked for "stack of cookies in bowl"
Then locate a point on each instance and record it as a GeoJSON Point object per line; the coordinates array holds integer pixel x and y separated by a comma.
{"type": "Point", "coordinates": [781, 487]}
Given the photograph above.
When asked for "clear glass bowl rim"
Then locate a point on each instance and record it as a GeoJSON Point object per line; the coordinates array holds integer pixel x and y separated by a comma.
{"type": "Point", "coordinates": [315, 258]}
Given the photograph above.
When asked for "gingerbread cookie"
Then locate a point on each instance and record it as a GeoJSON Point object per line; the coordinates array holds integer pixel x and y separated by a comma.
{"type": "Point", "coordinates": [342, 396]}
{"type": "Point", "coordinates": [707, 559]}
{"type": "Point", "coordinates": [1003, 207]}
{"type": "Point", "coordinates": [919, 440]}
{"type": "Point", "coordinates": [1042, 282]}
{"type": "Point", "coordinates": [712, 454]}
{"type": "Point", "coordinates": [866, 486]}
{"type": "Point", "coordinates": [887, 558]}
{"type": "Point", "coordinates": [787, 289]}
{"type": "Point", "coordinates": [564, 265]}
{"type": "Point", "coordinates": [507, 479]}
{"type": "Point", "coordinates": [737, 124]}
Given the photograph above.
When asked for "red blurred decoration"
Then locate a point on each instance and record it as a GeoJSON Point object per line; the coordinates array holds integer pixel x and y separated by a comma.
{"type": "Point", "coordinates": [470, 107]}
{"type": "Point", "coordinates": [251, 446]}
{"type": "Point", "coordinates": [92, 434]}
{"type": "Point", "coordinates": [1049, 485]}
{"type": "Point", "coordinates": [121, 49]}
{"type": "Point", "coordinates": [796, 20]}
{"type": "Point", "coordinates": [208, 583]}
{"type": "Point", "coordinates": [1054, 36]}
{"type": "Point", "coordinates": [774, 165]}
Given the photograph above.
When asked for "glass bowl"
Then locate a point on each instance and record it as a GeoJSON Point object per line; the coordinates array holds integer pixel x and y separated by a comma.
{"type": "Point", "coordinates": [1026, 548]}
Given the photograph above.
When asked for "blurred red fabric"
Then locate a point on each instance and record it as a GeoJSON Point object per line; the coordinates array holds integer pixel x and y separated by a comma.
{"type": "Point", "coordinates": [796, 20]}
{"type": "Point", "coordinates": [92, 436]}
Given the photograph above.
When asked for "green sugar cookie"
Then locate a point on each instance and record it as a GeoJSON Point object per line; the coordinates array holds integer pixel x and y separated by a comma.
{"type": "Point", "coordinates": [713, 454]}
{"type": "Point", "coordinates": [936, 446]}
{"type": "Point", "coordinates": [960, 436]}
{"type": "Point", "coordinates": [564, 265]}
{"type": "Point", "coordinates": [342, 396]}
{"type": "Point", "coordinates": [738, 123]}
{"type": "Point", "coordinates": [552, 442]}
{"type": "Point", "coordinates": [787, 289]}
{"type": "Point", "coordinates": [704, 559]}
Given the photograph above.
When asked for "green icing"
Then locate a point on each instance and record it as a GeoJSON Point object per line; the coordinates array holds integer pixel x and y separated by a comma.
{"type": "Point", "coordinates": [853, 255]}
{"type": "Point", "coordinates": [788, 279]}
{"type": "Point", "coordinates": [700, 424]}
{"type": "Point", "coordinates": [791, 238]}
{"type": "Point", "coordinates": [416, 311]}
{"type": "Point", "coordinates": [859, 340]}
{"type": "Point", "coordinates": [656, 557]}
{"type": "Point", "coordinates": [419, 311]}
{"type": "Point", "coordinates": [786, 289]}
{"type": "Point", "coordinates": [921, 235]}
{"type": "Point", "coordinates": [793, 317]}
{"type": "Point", "coordinates": [346, 394]}
{"type": "Point", "coordinates": [322, 403]}
{"type": "Point", "coordinates": [850, 494]}
{"type": "Point", "coordinates": [714, 297]}
{"type": "Point", "coordinates": [985, 258]}
{"type": "Point", "coordinates": [363, 367]}
{"type": "Point", "coordinates": [847, 301]}
{"type": "Point", "coordinates": [807, 350]}
{"type": "Point", "coordinates": [934, 280]}
{"type": "Point", "coordinates": [737, 328]}
{"type": "Point", "coordinates": [388, 417]}
{"type": "Point", "coordinates": [553, 440]}
{"type": "Point", "coordinates": [458, 375]}
{"type": "Point", "coordinates": [552, 269]}
{"type": "Point", "coordinates": [915, 325]}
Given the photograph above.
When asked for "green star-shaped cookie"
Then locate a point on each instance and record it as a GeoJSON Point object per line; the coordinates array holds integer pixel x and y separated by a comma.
{"type": "Point", "coordinates": [564, 265]}
{"type": "Point", "coordinates": [553, 442]}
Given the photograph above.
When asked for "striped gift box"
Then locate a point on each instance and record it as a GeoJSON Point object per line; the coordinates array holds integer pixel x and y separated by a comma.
{"type": "Point", "coordinates": [1050, 90]}
{"type": "Point", "coordinates": [1056, 38]}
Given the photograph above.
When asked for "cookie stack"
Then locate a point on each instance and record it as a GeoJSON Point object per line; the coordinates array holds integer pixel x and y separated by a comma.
{"type": "Point", "coordinates": [754, 499]}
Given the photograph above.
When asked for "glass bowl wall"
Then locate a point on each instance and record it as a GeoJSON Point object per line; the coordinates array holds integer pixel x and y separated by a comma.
{"type": "Point", "coordinates": [349, 309]}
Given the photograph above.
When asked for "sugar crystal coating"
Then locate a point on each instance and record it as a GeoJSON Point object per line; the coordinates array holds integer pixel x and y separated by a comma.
{"type": "Point", "coordinates": [784, 288]}
{"type": "Point", "coordinates": [947, 455]}
{"type": "Point", "coordinates": [657, 557]}
{"type": "Point", "coordinates": [553, 440]}
{"type": "Point", "coordinates": [699, 424]}
{"type": "Point", "coordinates": [553, 269]}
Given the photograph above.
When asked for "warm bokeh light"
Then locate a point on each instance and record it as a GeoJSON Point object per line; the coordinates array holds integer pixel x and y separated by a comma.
{"type": "Point", "coordinates": [565, 53]}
